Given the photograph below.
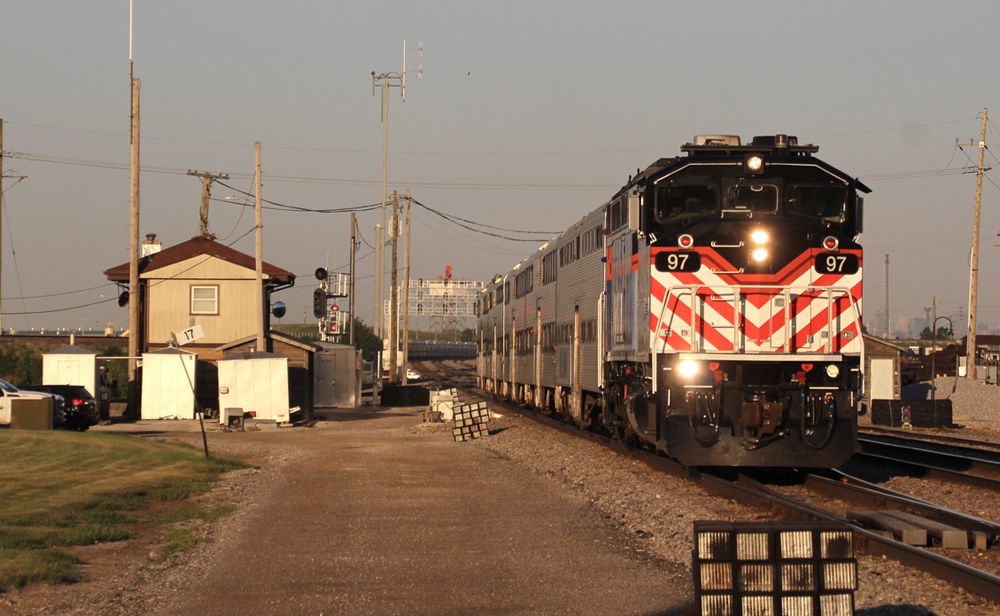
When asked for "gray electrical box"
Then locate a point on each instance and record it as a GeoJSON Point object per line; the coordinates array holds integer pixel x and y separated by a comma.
{"type": "Point", "coordinates": [336, 376]}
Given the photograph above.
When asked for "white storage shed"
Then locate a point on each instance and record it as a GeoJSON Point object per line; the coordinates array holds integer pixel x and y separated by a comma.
{"type": "Point", "coordinates": [255, 382]}
{"type": "Point", "coordinates": [71, 365]}
{"type": "Point", "coordinates": [168, 384]}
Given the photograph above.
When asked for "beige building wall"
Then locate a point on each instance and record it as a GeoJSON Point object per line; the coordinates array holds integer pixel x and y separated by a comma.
{"type": "Point", "coordinates": [169, 301]}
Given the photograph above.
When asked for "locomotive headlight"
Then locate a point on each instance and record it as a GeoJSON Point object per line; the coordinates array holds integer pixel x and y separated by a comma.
{"type": "Point", "coordinates": [687, 368]}
{"type": "Point", "coordinates": [754, 164]}
{"type": "Point", "coordinates": [759, 254]}
{"type": "Point", "coordinates": [833, 371]}
{"type": "Point", "coordinates": [759, 236]}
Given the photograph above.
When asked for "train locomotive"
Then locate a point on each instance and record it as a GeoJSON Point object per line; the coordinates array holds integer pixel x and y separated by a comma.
{"type": "Point", "coordinates": [711, 310]}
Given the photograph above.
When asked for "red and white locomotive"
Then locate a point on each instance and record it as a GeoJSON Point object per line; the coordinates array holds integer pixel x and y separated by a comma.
{"type": "Point", "coordinates": [711, 308]}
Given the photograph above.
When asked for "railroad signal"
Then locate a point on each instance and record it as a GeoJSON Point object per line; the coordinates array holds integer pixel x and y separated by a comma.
{"type": "Point", "coordinates": [319, 303]}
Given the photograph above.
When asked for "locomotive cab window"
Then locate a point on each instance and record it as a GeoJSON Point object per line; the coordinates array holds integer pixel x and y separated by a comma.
{"type": "Point", "coordinates": [674, 201]}
{"type": "Point", "coordinates": [752, 197]}
{"type": "Point", "coordinates": [828, 202]}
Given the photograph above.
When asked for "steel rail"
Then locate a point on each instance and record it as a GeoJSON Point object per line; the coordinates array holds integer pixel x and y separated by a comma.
{"type": "Point", "coordinates": [916, 453]}
{"type": "Point", "coordinates": [974, 580]}
{"type": "Point", "coordinates": [909, 435]}
{"type": "Point", "coordinates": [932, 472]}
{"type": "Point", "coordinates": [847, 487]}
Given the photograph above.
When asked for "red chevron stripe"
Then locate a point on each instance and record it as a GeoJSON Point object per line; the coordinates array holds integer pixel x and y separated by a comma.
{"type": "Point", "coordinates": [795, 268]}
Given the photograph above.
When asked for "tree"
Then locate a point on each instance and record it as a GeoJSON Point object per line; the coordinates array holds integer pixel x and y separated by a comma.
{"type": "Point", "coordinates": [21, 363]}
{"type": "Point", "coordinates": [364, 340]}
{"type": "Point", "coordinates": [943, 333]}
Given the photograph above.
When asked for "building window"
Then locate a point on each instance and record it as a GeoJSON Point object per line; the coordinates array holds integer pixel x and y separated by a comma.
{"type": "Point", "coordinates": [205, 300]}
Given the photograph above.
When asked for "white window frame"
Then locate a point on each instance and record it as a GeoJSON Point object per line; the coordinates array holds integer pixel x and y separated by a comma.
{"type": "Point", "coordinates": [214, 299]}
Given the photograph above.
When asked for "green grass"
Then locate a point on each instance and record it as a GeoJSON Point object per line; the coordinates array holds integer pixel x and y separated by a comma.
{"type": "Point", "coordinates": [64, 489]}
{"type": "Point", "coordinates": [177, 541]}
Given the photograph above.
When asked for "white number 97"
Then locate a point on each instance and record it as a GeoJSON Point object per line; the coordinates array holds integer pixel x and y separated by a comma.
{"type": "Point", "coordinates": [676, 261]}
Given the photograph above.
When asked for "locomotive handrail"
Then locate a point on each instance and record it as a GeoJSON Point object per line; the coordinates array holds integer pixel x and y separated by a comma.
{"type": "Point", "coordinates": [738, 291]}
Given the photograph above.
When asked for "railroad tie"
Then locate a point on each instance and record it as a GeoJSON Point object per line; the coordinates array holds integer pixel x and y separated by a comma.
{"type": "Point", "coordinates": [904, 531]}
{"type": "Point", "coordinates": [948, 536]}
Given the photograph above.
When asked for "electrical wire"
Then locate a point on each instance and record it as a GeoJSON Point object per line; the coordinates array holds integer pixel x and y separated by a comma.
{"type": "Point", "coordinates": [98, 164]}
{"type": "Point", "coordinates": [17, 269]}
{"type": "Point", "coordinates": [899, 128]}
{"type": "Point", "coordinates": [473, 229]}
{"type": "Point", "coordinates": [131, 292]}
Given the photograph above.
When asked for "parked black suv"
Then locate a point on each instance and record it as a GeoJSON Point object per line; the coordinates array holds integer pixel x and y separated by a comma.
{"type": "Point", "coordinates": [81, 407]}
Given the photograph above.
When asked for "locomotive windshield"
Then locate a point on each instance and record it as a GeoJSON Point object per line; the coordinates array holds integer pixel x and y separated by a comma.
{"type": "Point", "coordinates": [754, 197]}
{"type": "Point", "coordinates": [828, 202]}
{"type": "Point", "coordinates": [792, 191]}
{"type": "Point", "coordinates": [673, 201]}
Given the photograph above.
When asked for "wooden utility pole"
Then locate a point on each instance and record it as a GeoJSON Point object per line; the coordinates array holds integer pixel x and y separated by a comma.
{"type": "Point", "coordinates": [406, 294]}
{"type": "Point", "coordinates": [394, 295]}
{"type": "Point", "coordinates": [135, 296]}
{"type": "Point", "coordinates": [206, 194]}
{"type": "Point", "coordinates": [354, 227]}
{"type": "Point", "coordinates": [2, 176]}
{"type": "Point", "coordinates": [259, 260]}
{"type": "Point", "coordinates": [970, 346]}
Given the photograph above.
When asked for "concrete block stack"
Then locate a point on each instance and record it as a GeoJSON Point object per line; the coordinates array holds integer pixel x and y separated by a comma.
{"type": "Point", "coordinates": [442, 405]}
{"type": "Point", "coordinates": [471, 421]}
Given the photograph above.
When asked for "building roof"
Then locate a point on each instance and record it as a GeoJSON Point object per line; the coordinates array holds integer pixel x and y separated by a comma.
{"type": "Point", "coordinates": [273, 335]}
{"type": "Point", "coordinates": [194, 247]}
{"type": "Point", "coordinates": [71, 350]}
{"type": "Point", "coordinates": [875, 340]}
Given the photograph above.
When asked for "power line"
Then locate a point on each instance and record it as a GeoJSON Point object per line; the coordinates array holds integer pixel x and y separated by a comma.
{"type": "Point", "coordinates": [312, 180]}
{"type": "Point", "coordinates": [473, 229]}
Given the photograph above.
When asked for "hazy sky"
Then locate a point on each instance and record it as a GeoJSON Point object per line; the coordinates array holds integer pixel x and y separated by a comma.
{"type": "Point", "coordinates": [528, 116]}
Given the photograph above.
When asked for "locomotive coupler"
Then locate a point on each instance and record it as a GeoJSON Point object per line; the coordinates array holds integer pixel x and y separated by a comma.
{"type": "Point", "coordinates": [760, 416]}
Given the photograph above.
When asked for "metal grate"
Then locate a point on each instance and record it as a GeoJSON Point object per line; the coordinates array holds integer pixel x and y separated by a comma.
{"type": "Point", "coordinates": [774, 568]}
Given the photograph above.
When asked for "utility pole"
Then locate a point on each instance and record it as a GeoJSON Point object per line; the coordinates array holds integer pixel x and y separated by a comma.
{"type": "Point", "coordinates": [406, 294]}
{"type": "Point", "coordinates": [135, 296]}
{"type": "Point", "coordinates": [970, 346]}
{"type": "Point", "coordinates": [2, 176]}
{"type": "Point", "coordinates": [258, 252]}
{"type": "Point", "coordinates": [354, 246]}
{"type": "Point", "coordinates": [394, 295]}
{"type": "Point", "coordinates": [206, 194]}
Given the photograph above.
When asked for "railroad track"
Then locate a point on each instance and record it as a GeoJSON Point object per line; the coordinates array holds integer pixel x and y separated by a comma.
{"type": "Point", "coordinates": [930, 437]}
{"type": "Point", "coordinates": [874, 535]}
